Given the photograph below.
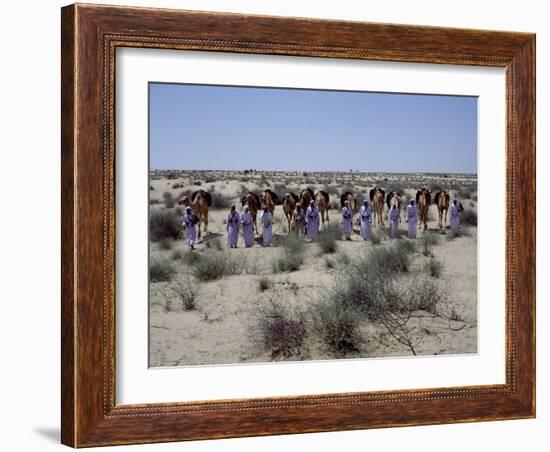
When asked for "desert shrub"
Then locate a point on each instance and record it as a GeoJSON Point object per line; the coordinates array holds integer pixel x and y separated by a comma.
{"type": "Point", "coordinates": [282, 330]}
{"type": "Point", "coordinates": [177, 186]}
{"type": "Point", "coordinates": [214, 244]}
{"type": "Point", "coordinates": [342, 258]}
{"type": "Point", "coordinates": [327, 239]}
{"type": "Point", "coordinates": [154, 202]}
{"type": "Point", "coordinates": [160, 270]}
{"type": "Point", "coordinates": [185, 291]}
{"type": "Point", "coordinates": [469, 217]}
{"type": "Point", "coordinates": [197, 183]}
{"type": "Point", "coordinates": [331, 189]}
{"type": "Point", "coordinates": [168, 199]}
{"type": "Point", "coordinates": [376, 238]}
{"type": "Point", "coordinates": [264, 283]}
{"type": "Point", "coordinates": [190, 257]}
{"type": "Point", "coordinates": [290, 244]}
{"type": "Point", "coordinates": [287, 262]}
{"type": "Point", "coordinates": [213, 265]}
{"type": "Point", "coordinates": [209, 180]}
{"type": "Point", "coordinates": [389, 260]}
{"type": "Point", "coordinates": [434, 268]}
{"type": "Point", "coordinates": [427, 240]}
{"type": "Point", "coordinates": [166, 244]}
{"type": "Point", "coordinates": [164, 224]}
{"type": "Point", "coordinates": [423, 294]}
{"type": "Point", "coordinates": [329, 263]}
{"type": "Point", "coordinates": [463, 194]}
{"type": "Point", "coordinates": [220, 201]}
{"type": "Point", "coordinates": [338, 327]}
{"type": "Point", "coordinates": [151, 187]}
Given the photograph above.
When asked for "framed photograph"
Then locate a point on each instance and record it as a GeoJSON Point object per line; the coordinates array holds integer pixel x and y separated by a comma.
{"type": "Point", "coordinates": [281, 225]}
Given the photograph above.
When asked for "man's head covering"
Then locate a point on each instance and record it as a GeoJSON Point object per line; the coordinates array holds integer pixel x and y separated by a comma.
{"type": "Point", "coordinates": [346, 202]}
{"type": "Point", "coordinates": [188, 209]}
{"type": "Point", "coordinates": [245, 208]}
{"type": "Point", "coordinates": [365, 203]}
{"type": "Point", "coordinates": [312, 202]}
{"type": "Point", "coordinates": [233, 206]}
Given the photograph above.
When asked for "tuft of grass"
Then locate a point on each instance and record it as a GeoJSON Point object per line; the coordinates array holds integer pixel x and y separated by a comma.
{"type": "Point", "coordinates": [214, 265]}
{"type": "Point", "coordinates": [338, 327]}
{"type": "Point", "coordinates": [166, 244]}
{"type": "Point", "coordinates": [287, 263]}
{"type": "Point", "coordinates": [327, 239]}
{"type": "Point", "coordinates": [427, 240]}
{"type": "Point", "coordinates": [434, 268]}
{"type": "Point", "coordinates": [214, 244]}
{"type": "Point", "coordinates": [469, 217]}
{"type": "Point", "coordinates": [190, 257]}
{"type": "Point", "coordinates": [185, 290]}
{"type": "Point", "coordinates": [168, 199]}
{"type": "Point", "coordinates": [423, 294]}
{"type": "Point", "coordinates": [164, 224]}
{"type": "Point", "coordinates": [264, 283]}
{"type": "Point", "coordinates": [392, 259]}
{"type": "Point", "coordinates": [329, 263]}
{"type": "Point", "coordinates": [160, 270]}
{"type": "Point", "coordinates": [282, 330]}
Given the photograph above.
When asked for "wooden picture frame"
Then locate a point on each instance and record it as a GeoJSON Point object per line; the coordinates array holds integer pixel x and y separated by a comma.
{"type": "Point", "coordinates": [90, 36]}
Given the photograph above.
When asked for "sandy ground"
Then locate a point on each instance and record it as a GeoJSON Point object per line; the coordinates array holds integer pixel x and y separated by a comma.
{"type": "Point", "coordinates": [222, 328]}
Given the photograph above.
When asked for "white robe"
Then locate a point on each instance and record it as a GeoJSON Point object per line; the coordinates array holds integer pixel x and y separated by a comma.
{"type": "Point", "coordinates": [411, 218]}
{"type": "Point", "coordinates": [394, 217]}
{"type": "Point", "coordinates": [233, 224]}
{"type": "Point", "coordinates": [455, 217]}
{"type": "Point", "coordinates": [347, 220]}
{"type": "Point", "coordinates": [248, 229]}
{"type": "Point", "coordinates": [267, 222]}
{"type": "Point", "coordinates": [190, 231]}
{"type": "Point", "coordinates": [312, 222]}
{"type": "Point", "coordinates": [365, 214]}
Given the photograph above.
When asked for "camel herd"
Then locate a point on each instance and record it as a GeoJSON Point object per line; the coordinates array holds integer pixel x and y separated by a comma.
{"type": "Point", "coordinates": [200, 201]}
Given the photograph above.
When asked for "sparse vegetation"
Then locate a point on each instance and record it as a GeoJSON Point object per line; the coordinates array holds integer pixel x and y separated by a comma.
{"type": "Point", "coordinates": [168, 199]}
{"type": "Point", "coordinates": [214, 265]}
{"type": "Point", "coordinates": [185, 291]}
{"type": "Point", "coordinates": [434, 267]}
{"type": "Point", "coordinates": [469, 217]}
{"type": "Point", "coordinates": [427, 240]}
{"type": "Point", "coordinates": [164, 224]}
{"type": "Point", "coordinates": [264, 283]}
{"type": "Point", "coordinates": [282, 330]}
{"type": "Point", "coordinates": [160, 270]}
{"type": "Point", "coordinates": [327, 239]}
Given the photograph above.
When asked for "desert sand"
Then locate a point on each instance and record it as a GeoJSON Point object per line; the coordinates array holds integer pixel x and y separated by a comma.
{"type": "Point", "coordinates": [223, 325]}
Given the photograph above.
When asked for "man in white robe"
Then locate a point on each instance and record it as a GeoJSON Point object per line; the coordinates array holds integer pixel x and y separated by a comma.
{"type": "Point", "coordinates": [365, 215]}
{"type": "Point", "coordinates": [267, 221]}
{"type": "Point", "coordinates": [299, 220]}
{"type": "Point", "coordinates": [248, 227]}
{"type": "Point", "coordinates": [394, 218]}
{"type": "Point", "coordinates": [347, 220]}
{"type": "Point", "coordinates": [455, 215]}
{"type": "Point", "coordinates": [188, 222]}
{"type": "Point", "coordinates": [411, 218]}
{"type": "Point", "coordinates": [312, 220]}
{"type": "Point", "coordinates": [232, 227]}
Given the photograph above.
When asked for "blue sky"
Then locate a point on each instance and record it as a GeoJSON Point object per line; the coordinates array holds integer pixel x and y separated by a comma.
{"type": "Point", "coordinates": [194, 127]}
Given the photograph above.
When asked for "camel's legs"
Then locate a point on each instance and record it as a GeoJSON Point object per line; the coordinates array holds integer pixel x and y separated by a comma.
{"type": "Point", "coordinates": [206, 223]}
{"type": "Point", "coordinates": [199, 236]}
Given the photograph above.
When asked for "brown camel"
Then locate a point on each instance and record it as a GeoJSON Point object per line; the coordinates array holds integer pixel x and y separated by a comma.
{"type": "Point", "coordinates": [442, 200]}
{"type": "Point", "coordinates": [254, 203]}
{"type": "Point", "coordinates": [269, 199]}
{"type": "Point", "coordinates": [376, 196]}
{"type": "Point", "coordinates": [323, 204]}
{"type": "Point", "coordinates": [351, 199]}
{"type": "Point", "coordinates": [423, 201]}
{"type": "Point", "coordinates": [289, 204]}
{"type": "Point", "coordinates": [199, 202]}
{"type": "Point", "coordinates": [306, 196]}
{"type": "Point", "coordinates": [393, 199]}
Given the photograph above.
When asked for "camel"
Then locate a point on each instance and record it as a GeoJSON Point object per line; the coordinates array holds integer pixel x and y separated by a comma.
{"type": "Point", "coordinates": [306, 196]}
{"type": "Point", "coordinates": [376, 196]}
{"type": "Point", "coordinates": [423, 201]}
{"type": "Point", "coordinates": [253, 201]}
{"type": "Point", "coordinates": [269, 199]}
{"type": "Point", "coordinates": [289, 204]}
{"type": "Point", "coordinates": [199, 202]}
{"type": "Point", "coordinates": [393, 199]}
{"type": "Point", "coordinates": [323, 203]}
{"type": "Point", "coordinates": [442, 200]}
{"type": "Point", "coordinates": [351, 199]}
